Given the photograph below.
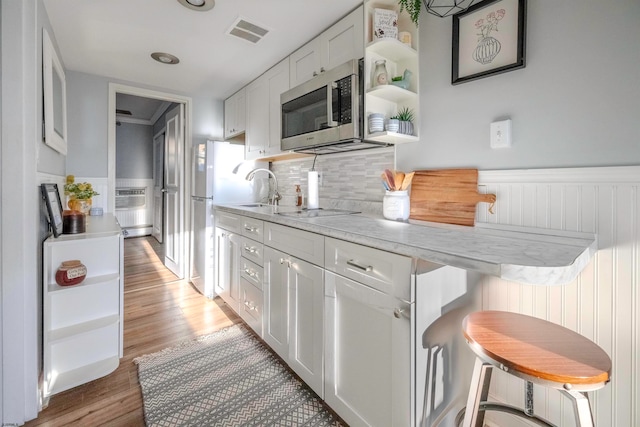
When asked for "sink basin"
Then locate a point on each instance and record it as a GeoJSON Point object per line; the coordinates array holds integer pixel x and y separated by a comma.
{"type": "Point", "coordinates": [314, 213]}
{"type": "Point", "coordinates": [254, 205]}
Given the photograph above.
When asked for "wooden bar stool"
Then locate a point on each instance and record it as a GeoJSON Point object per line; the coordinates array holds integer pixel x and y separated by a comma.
{"type": "Point", "coordinates": [537, 351]}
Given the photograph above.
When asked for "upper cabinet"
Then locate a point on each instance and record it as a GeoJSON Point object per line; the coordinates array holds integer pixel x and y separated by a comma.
{"type": "Point", "coordinates": [234, 114]}
{"type": "Point", "coordinates": [262, 137]}
{"type": "Point", "coordinates": [400, 56]}
{"type": "Point", "coordinates": [340, 43]}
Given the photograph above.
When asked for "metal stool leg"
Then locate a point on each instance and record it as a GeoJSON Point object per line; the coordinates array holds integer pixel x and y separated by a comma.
{"type": "Point", "coordinates": [478, 392]}
{"type": "Point", "coordinates": [581, 407]}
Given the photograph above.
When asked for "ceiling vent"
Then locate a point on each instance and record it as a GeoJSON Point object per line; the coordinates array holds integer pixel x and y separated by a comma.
{"type": "Point", "coordinates": [247, 31]}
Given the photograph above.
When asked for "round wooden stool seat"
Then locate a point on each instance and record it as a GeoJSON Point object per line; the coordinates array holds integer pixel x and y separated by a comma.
{"type": "Point", "coordinates": [538, 349]}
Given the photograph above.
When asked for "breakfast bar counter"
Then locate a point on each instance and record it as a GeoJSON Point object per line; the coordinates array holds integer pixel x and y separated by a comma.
{"type": "Point", "coordinates": [522, 254]}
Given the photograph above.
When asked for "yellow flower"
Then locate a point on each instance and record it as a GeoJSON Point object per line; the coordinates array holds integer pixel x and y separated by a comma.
{"type": "Point", "coordinates": [70, 179]}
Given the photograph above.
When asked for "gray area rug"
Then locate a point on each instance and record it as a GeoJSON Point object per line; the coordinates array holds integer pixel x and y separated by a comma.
{"type": "Point", "coordinates": [228, 378]}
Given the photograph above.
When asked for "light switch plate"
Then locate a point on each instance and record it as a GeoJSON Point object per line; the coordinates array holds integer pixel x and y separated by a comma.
{"type": "Point", "coordinates": [501, 134]}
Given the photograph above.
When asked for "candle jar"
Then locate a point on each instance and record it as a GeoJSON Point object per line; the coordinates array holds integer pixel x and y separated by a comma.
{"type": "Point", "coordinates": [71, 273]}
{"type": "Point", "coordinates": [395, 205]}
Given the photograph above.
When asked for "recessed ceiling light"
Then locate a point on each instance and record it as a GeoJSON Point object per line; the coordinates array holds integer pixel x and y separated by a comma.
{"type": "Point", "coordinates": [199, 5]}
{"type": "Point", "coordinates": [165, 58]}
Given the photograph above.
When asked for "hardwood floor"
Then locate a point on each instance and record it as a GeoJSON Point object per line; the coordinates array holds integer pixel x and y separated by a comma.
{"type": "Point", "coordinates": [159, 311]}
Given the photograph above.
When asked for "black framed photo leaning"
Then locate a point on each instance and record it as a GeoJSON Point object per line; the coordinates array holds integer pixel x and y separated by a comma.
{"type": "Point", "coordinates": [488, 39]}
{"type": "Point", "coordinates": [51, 197]}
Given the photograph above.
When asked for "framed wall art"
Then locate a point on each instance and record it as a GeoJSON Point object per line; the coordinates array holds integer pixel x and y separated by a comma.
{"type": "Point", "coordinates": [488, 39]}
{"type": "Point", "coordinates": [51, 197]}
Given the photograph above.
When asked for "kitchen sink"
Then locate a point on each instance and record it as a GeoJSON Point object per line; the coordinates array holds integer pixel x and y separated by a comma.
{"type": "Point", "coordinates": [254, 205]}
{"type": "Point", "coordinates": [315, 213]}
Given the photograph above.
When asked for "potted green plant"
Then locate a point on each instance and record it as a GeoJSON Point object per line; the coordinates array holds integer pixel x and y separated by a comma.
{"type": "Point", "coordinates": [412, 7]}
{"type": "Point", "coordinates": [405, 117]}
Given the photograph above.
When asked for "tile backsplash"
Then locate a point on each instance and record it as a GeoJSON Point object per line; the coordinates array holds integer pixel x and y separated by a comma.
{"type": "Point", "coordinates": [347, 180]}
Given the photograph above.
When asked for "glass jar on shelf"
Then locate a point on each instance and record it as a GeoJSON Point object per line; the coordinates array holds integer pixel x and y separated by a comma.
{"type": "Point", "coordinates": [380, 75]}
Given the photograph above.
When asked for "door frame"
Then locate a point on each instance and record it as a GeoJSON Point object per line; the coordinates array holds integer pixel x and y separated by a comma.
{"type": "Point", "coordinates": [115, 88]}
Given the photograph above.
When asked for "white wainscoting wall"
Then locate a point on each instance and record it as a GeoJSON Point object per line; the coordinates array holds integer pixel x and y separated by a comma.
{"type": "Point", "coordinates": [603, 303]}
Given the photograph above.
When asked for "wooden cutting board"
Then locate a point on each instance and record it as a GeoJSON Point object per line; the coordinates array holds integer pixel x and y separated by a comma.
{"type": "Point", "coordinates": [446, 195]}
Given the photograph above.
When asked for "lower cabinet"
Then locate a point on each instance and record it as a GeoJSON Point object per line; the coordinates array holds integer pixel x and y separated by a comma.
{"type": "Point", "coordinates": [339, 314]}
{"type": "Point", "coordinates": [294, 314]}
{"type": "Point", "coordinates": [367, 378]}
{"type": "Point", "coordinates": [227, 265]}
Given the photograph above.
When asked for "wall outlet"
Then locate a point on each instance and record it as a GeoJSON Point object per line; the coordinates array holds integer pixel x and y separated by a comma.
{"type": "Point", "coordinates": [501, 134]}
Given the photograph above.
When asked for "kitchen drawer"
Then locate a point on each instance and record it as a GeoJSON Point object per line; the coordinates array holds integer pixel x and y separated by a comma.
{"type": "Point", "coordinates": [252, 272]}
{"type": "Point", "coordinates": [301, 244]}
{"type": "Point", "coordinates": [251, 305]}
{"type": "Point", "coordinates": [228, 221]}
{"type": "Point", "coordinates": [387, 272]}
{"type": "Point", "coordinates": [253, 228]}
{"type": "Point", "coordinates": [251, 250]}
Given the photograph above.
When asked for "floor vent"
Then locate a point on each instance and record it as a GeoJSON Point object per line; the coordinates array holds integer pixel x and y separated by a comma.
{"type": "Point", "coordinates": [247, 31]}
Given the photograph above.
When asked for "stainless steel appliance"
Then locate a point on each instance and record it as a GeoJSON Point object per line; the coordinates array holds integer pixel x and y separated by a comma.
{"type": "Point", "coordinates": [325, 114]}
{"type": "Point", "coordinates": [214, 181]}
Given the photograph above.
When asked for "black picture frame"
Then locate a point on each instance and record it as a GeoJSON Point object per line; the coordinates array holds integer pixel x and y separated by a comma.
{"type": "Point", "coordinates": [488, 39]}
{"type": "Point", "coordinates": [51, 197]}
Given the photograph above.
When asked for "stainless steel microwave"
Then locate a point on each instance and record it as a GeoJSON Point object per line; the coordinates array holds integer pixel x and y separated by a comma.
{"type": "Point", "coordinates": [325, 112]}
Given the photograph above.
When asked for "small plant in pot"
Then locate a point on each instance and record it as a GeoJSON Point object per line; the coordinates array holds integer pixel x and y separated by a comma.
{"type": "Point", "coordinates": [405, 118]}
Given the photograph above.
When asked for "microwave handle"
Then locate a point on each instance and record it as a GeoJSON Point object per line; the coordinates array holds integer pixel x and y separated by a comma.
{"type": "Point", "coordinates": [330, 87]}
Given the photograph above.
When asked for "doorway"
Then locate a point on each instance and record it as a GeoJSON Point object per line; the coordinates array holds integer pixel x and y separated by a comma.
{"type": "Point", "coordinates": [177, 137]}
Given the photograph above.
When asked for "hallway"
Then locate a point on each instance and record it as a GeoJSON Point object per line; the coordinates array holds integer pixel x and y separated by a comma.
{"type": "Point", "coordinates": [159, 311]}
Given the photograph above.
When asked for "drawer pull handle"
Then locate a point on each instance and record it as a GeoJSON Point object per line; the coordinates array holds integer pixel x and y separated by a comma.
{"type": "Point", "coordinates": [251, 250]}
{"type": "Point", "coordinates": [250, 229]}
{"type": "Point", "coordinates": [356, 264]}
{"type": "Point", "coordinates": [250, 306]}
{"type": "Point", "coordinates": [250, 273]}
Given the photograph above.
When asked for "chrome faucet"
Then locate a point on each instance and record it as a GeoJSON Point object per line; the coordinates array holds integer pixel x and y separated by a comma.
{"type": "Point", "coordinates": [276, 196]}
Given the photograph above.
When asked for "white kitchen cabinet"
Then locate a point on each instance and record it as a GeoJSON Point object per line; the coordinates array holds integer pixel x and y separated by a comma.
{"type": "Point", "coordinates": [294, 315]}
{"type": "Point", "coordinates": [234, 114]}
{"type": "Point", "coordinates": [276, 302]}
{"type": "Point", "coordinates": [83, 323]}
{"type": "Point", "coordinates": [368, 335]}
{"type": "Point", "coordinates": [306, 322]}
{"type": "Point", "coordinates": [338, 44]}
{"type": "Point", "coordinates": [263, 123]}
{"type": "Point", "coordinates": [227, 266]}
{"type": "Point", "coordinates": [389, 99]}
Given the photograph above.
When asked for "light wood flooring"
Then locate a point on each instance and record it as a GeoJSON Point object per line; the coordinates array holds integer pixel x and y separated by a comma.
{"type": "Point", "coordinates": [159, 311]}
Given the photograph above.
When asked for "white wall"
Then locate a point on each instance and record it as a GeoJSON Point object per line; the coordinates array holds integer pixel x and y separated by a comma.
{"type": "Point", "coordinates": [575, 104]}
{"type": "Point", "coordinates": [87, 102]}
{"type": "Point", "coordinates": [134, 151]}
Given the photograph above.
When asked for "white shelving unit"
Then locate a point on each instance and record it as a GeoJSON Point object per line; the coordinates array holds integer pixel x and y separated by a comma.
{"type": "Point", "coordinates": [83, 324]}
{"type": "Point", "coordinates": [388, 99]}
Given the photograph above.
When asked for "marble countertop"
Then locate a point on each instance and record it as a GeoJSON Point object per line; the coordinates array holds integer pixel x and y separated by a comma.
{"type": "Point", "coordinates": [526, 255]}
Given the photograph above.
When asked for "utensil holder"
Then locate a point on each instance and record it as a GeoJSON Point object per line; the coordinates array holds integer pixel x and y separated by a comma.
{"type": "Point", "coordinates": [395, 205]}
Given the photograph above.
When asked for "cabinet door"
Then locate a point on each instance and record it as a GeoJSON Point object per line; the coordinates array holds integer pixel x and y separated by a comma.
{"type": "Point", "coordinates": [276, 298]}
{"type": "Point", "coordinates": [304, 63]}
{"type": "Point", "coordinates": [306, 323]}
{"type": "Point", "coordinates": [367, 378]}
{"type": "Point", "coordinates": [343, 41]}
{"type": "Point", "coordinates": [227, 283]}
{"type": "Point", "coordinates": [278, 78]}
{"type": "Point", "coordinates": [257, 120]}
{"type": "Point", "coordinates": [234, 114]}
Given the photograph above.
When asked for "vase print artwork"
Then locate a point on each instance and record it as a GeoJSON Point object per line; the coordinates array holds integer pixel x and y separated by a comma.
{"type": "Point", "coordinates": [488, 47]}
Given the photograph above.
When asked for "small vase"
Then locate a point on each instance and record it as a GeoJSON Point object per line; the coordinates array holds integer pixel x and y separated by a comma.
{"type": "Point", "coordinates": [406, 128]}
{"type": "Point", "coordinates": [393, 125]}
{"type": "Point", "coordinates": [82, 205]}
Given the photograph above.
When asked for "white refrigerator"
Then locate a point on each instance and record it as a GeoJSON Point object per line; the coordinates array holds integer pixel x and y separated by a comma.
{"type": "Point", "coordinates": [218, 176]}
